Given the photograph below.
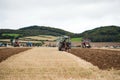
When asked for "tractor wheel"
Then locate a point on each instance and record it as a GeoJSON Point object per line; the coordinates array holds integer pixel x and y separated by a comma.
{"type": "Point", "coordinates": [59, 49]}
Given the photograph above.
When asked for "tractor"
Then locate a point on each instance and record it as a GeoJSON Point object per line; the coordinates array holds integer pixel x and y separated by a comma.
{"type": "Point", "coordinates": [16, 42]}
{"type": "Point", "coordinates": [64, 43]}
{"type": "Point", "coordinates": [86, 43]}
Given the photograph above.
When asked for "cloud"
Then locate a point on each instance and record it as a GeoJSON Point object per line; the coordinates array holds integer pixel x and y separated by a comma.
{"type": "Point", "coordinates": [72, 15]}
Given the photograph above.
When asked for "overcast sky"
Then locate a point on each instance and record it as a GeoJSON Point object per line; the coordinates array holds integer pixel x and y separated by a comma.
{"type": "Point", "coordinates": [71, 15]}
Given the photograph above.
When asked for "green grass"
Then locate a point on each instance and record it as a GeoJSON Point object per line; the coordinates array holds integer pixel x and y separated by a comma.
{"type": "Point", "coordinates": [14, 35]}
{"type": "Point", "coordinates": [76, 39]}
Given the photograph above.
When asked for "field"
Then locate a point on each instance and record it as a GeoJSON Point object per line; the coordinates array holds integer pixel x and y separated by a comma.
{"type": "Point", "coordinates": [46, 63]}
{"type": "Point", "coordinates": [76, 39]}
{"type": "Point", "coordinates": [41, 37]}
{"type": "Point", "coordinates": [7, 52]}
{"type": "Point", "coordinates": [34, 39]}
{"type": "Point", "coordinates": [13, 35]}
{"type": "Point", "coordinates": [104, 59]}
{"type": "Point", "coordinates": [99, 44]}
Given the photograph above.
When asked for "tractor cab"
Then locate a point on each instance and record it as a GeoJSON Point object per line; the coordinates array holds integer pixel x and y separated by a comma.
{"type": "Point", "coordinates": [64, 43]}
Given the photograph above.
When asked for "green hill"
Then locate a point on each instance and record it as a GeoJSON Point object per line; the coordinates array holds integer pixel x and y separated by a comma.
{"type": "Point", "coordinates": [103, 34]}
{"type": "Point", "coordinates": [42, 30]}
{"type": "Point", "coordinates": [35, 31]}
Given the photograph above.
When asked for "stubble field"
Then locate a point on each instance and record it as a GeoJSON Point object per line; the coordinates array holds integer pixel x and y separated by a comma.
{"type": "Point", "coordinates": [46, 63]}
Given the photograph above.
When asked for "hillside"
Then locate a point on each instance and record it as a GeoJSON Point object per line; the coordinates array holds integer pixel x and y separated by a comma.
{"type": "Point", "coordinates": [42, 30]}
{"type": "Point", "coordinates": [35, 31]}
{"type": "Point", "coordinates": [103, 34]}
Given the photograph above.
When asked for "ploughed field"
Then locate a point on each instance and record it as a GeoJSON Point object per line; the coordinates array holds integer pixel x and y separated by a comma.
{"type": "Point", "coordinates": [45, 63]}
{"type": "Point", "coordinates": [7, 52]}
{"type": "Point", "coordinates": [104, 59]}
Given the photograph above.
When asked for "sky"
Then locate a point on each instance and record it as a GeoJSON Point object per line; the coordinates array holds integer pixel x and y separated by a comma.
{"type": "Point", "coordinates": [72, 15]}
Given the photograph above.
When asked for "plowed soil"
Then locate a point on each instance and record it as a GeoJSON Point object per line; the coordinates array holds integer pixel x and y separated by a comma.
{"type": "Point", "coordinates": [44, 63]}
{"type": "Point", "coordinates": [7, 52]}
{"type": "Point", "coordinates": [104, 59]}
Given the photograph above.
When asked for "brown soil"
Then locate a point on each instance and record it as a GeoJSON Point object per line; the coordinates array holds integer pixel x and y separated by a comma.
{"type": "Point", "coordinates": [45, 63]}
{"type": "Point", "coordinates": [99, 44]}
{"type": "Point", "coordinates": [104, 59]}
{"type": "Point", "coordinates": [7, 52]}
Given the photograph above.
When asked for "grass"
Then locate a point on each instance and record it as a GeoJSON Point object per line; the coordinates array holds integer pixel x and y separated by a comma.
{"type": "Point", "coordinates": [12, 35]}
{"type": "Point", "coordinates": [76, 39]}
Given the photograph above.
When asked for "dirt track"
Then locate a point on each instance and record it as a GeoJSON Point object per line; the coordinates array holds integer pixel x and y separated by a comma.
{"type": "Point", "coordinates": [50, 64]}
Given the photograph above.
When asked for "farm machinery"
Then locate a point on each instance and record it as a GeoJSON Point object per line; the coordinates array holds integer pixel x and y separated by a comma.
{"type": "Point", "coordinates": [15, 42]}
{"type": "Point", "coordinates": [86, 43]}
{"type": "Point", "coordinates": [64, 43]}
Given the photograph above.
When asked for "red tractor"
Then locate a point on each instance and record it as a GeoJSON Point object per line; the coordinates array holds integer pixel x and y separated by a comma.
{"type": "Point", "coordinates": [86, 43]}
{"type": "Point", "coordinates": [16, 43]}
